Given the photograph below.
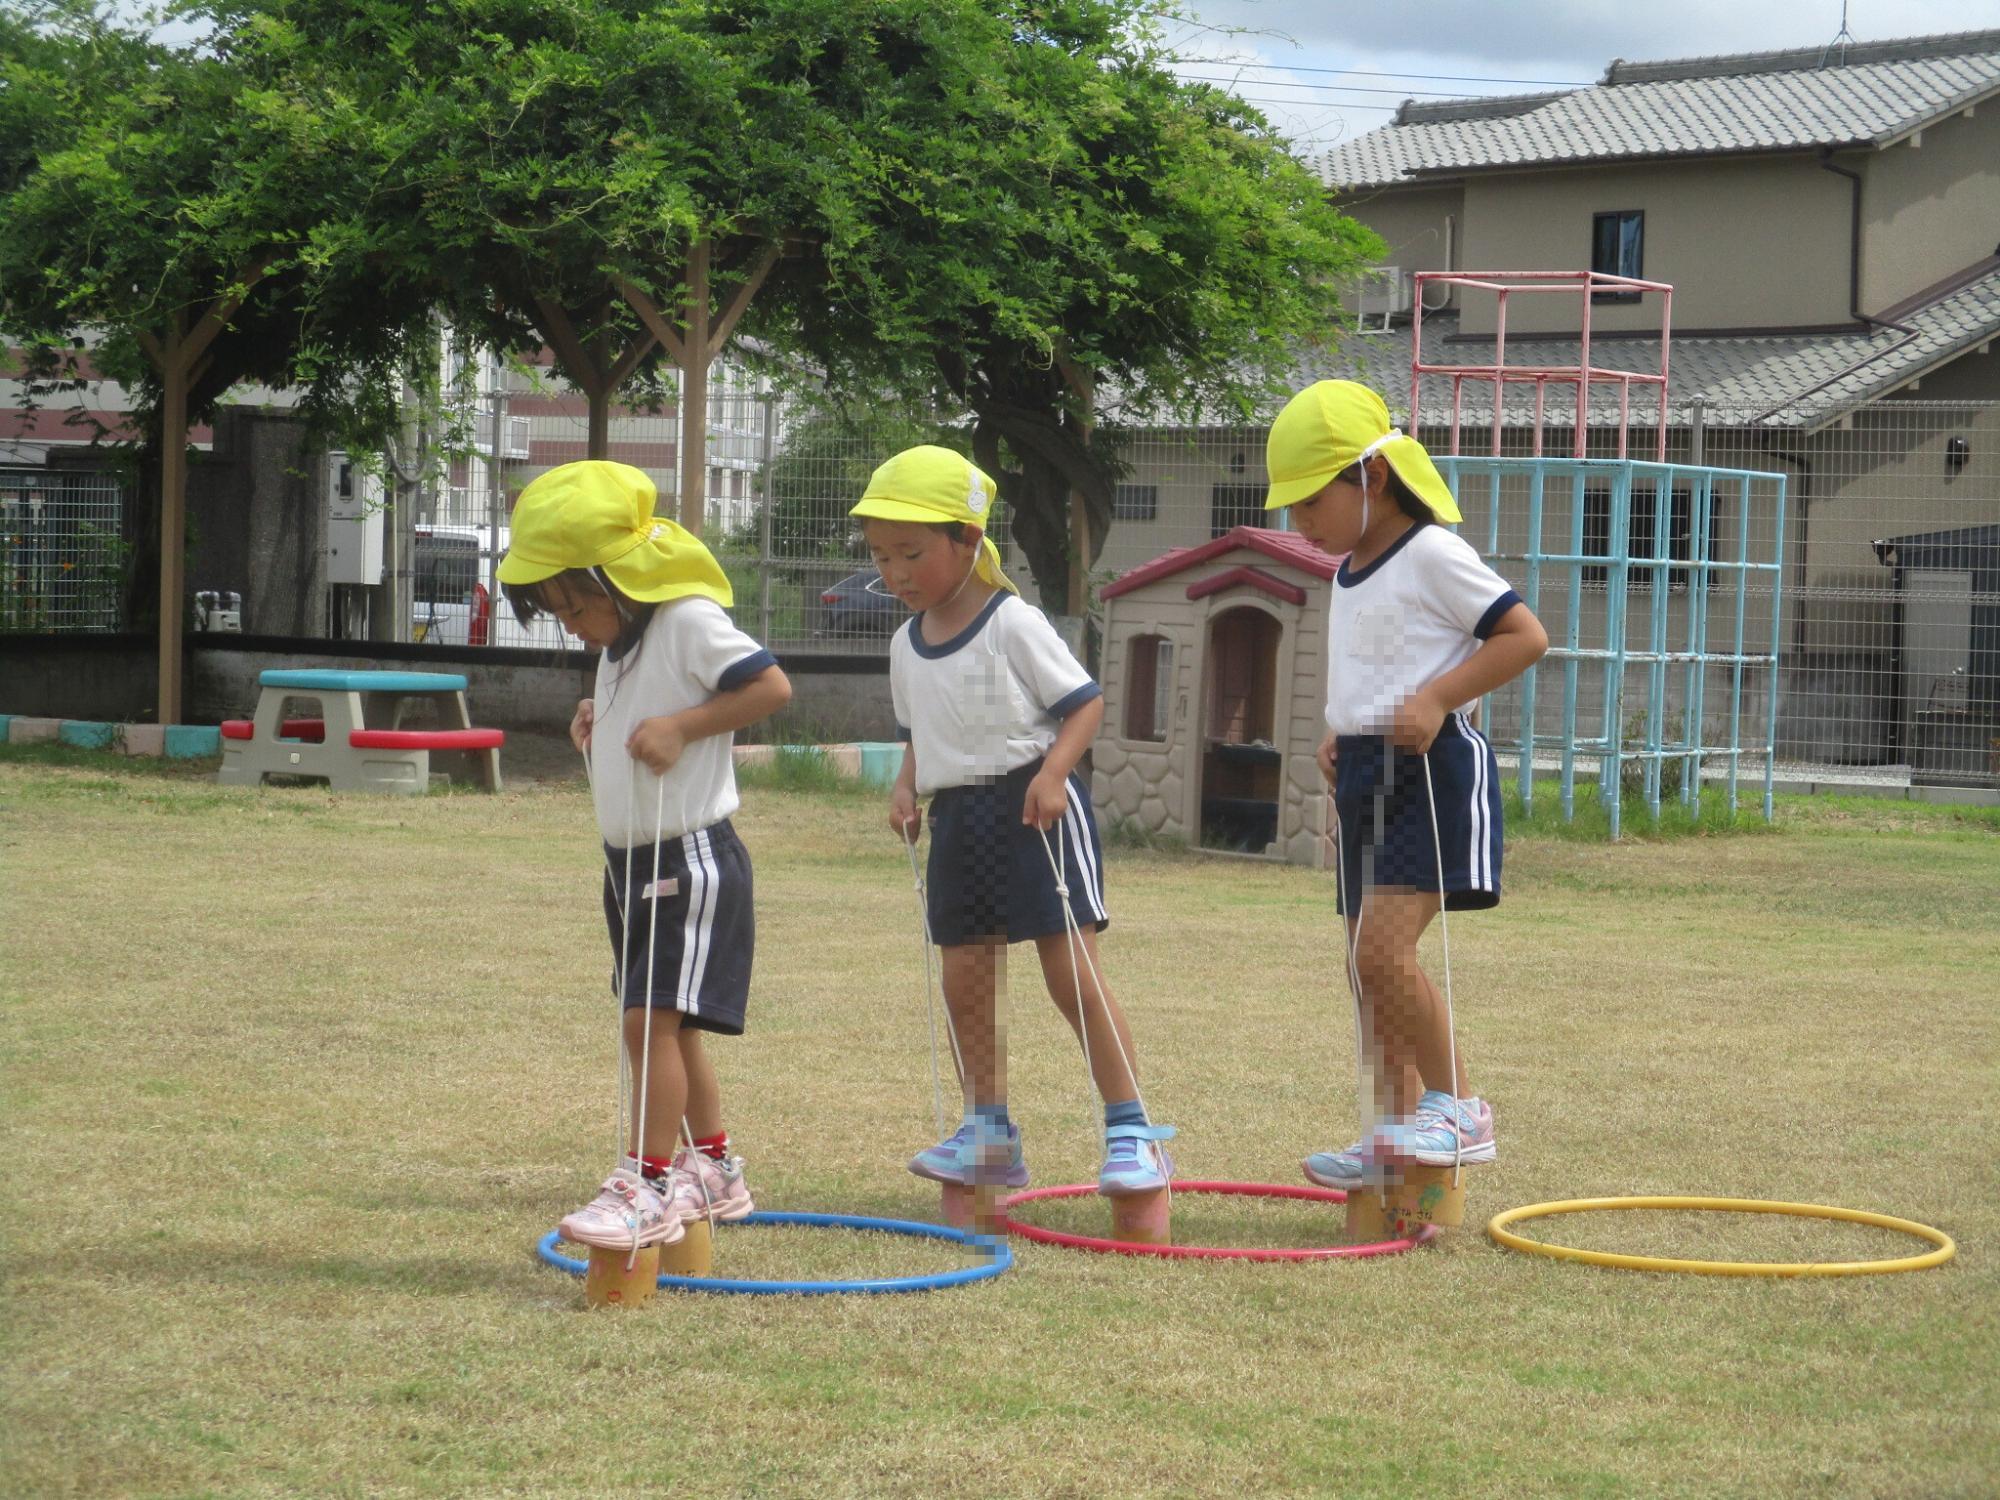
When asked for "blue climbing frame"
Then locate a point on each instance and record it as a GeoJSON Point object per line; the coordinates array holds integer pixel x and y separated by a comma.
{"type": "Point", "coordinates": [1712, 567]}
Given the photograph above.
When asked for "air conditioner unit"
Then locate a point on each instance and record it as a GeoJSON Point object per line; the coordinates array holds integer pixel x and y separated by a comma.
{"type": "Point", "coordinates": [1383, 293]}
{"type": "Point", "coordinates": [514, 439]}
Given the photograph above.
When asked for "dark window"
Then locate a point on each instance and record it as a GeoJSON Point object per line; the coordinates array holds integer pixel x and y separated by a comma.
{"type": "Point", "coordinates": [1135, 502]}
{"type": "Point", "coordinates": [1617, 248]}
{"type": "Point", "coordinates": [1639, 548]}
{"type": "Point", "coordinates": [1233, 505]}
{"type": "Point", "coordinates": [1149, 676]}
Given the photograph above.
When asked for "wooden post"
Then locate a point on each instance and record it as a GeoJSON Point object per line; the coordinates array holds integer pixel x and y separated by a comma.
{"type": "Point", "coordinates": [694, 347]}
{"type": "Point", "coordinates": [173, 521]}
{"type": "Point", "coordinates": [180, 353]}
{"type": "Point", "coordinates": [694, 391]}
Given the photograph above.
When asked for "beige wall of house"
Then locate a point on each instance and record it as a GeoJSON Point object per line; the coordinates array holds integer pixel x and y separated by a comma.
{"type": "Point", "coordinates": [1416, 224]}
{"type": "Point", "coordinates": [1760, 242]}
{"type": "Point", "coordinates": [1931, 208]}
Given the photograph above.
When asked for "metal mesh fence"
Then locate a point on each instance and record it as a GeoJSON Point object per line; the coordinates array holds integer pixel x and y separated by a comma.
{"type": "Point", "coordinates": [1890, 646]}
{"type": "Point", "coordinates": [62, 550]}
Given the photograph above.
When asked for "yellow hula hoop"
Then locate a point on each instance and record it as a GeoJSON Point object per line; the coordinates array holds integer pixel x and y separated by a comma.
{"type": "Point", "coordinates": [1501, 1235]}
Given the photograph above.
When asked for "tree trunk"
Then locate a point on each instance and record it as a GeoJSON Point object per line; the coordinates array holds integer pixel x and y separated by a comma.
{"type": "Point", "coordinates": [173, 526]}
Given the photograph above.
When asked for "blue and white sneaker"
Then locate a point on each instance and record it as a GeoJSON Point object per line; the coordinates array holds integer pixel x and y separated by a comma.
{"type": "Point", "coordinates": [1448, 1130]}
{"type": "Point", "coordinates": [1335, 1169]}
{"type": "Point", "coordinates": [971, 1157]}
{"type": "Point", "coordinates": [1134, 1160]}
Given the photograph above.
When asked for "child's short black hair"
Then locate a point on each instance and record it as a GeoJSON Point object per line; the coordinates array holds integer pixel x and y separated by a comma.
{"type": "Point", "coordinates": [528, 600]}
{"type": "Point", "coordinates": [955, 530]}
{"type": "Point", "coordinates": [1405, 498]}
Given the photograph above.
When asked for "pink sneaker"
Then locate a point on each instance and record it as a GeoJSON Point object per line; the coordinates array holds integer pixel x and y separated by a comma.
{"type": "Point", "coordinates": [705, 1187]}
{"type": "Point", "coordinates": [627, 1213]}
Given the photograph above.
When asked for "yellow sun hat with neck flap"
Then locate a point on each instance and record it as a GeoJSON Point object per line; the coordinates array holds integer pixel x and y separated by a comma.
{"type": "Point", "coordinates": [927, 485]}
{"type": "Point", "coordinates": [1329, 427]}
{"type": "Point", "coordinates": [598, 514]}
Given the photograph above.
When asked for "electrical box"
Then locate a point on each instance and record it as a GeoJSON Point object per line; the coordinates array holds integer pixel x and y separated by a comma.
{"type": "Point", "coordinates": [354, 517]}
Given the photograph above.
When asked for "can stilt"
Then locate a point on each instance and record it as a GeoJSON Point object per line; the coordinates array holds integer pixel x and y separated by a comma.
{"type": "Point", "coordinates": [964, 1207]}
{"type": "Point", "coordinates": [1143, 1218]}
{"type": "Point", "coordinates": [609, 1283]}
{"type": "Point", "coordinates": [693, 1254]}
{"type": "Point", "coordinates": [1403, 1203]}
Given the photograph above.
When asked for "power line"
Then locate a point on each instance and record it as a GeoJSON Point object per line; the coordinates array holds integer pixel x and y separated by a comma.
{"type": "Point", "coordinates": [1572, 83]}
{"type": "Point", "coordinates": [1387, 109]}
{"type": "Point", "coordinates": [1330, 88]}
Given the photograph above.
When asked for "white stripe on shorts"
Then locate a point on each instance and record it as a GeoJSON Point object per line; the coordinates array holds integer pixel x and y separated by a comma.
{"type": "Point", "coordinates": [1086, 861]}
{"type": "Point", "coordinates": [1479, 862]}
{"type": "Point", "coordinates": [702, 882]}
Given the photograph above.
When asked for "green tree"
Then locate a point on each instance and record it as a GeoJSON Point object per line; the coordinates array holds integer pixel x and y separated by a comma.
{"type": "Point", "coordinates": [1071, 224]}
{"type": "Point", "coordinates": [202, 212]}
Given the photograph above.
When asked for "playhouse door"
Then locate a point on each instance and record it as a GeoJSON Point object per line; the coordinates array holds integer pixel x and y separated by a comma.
{"type": "Point", "coordinates": [1241, 764]}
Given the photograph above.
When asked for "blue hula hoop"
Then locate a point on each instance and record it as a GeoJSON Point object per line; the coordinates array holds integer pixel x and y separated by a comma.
{"type": "Point", "coordinates": [998, 1257]}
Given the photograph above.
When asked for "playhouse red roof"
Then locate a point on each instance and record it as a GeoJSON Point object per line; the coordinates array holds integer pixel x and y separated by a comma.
{"type": "Point", "coordinates": [1284, 546]}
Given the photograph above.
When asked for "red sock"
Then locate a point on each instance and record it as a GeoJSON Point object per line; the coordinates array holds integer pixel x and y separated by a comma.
{"type": "Point", "coordinates": [714, 1147]}
{"type": "Point", "coordinates": [651, 1167]}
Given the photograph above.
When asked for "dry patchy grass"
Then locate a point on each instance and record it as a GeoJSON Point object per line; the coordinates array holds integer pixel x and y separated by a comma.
{"type": "Point", "coordinates": [294, 1081]}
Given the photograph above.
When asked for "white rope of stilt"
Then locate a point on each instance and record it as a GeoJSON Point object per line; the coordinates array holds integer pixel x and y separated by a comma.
{"type": "Point", "coordinates": [1073, 940]}
{"type": "Point", "coordinates": [1350, 946]}
{"type": "Point", "coordinates": [1450, 1022]}
{"type": "Point", "coordinates": [932, 1000]}
{"type": "Point", "coordinates": [621, 959]}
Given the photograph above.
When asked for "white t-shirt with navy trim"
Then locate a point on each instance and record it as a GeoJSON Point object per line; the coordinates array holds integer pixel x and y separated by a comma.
{"type": "Point", "coordinates": [988, 700]}
{"type": "Point", "coordinates": [1410, 616]}
{"type": "Point", "coordinates": [690, 651]}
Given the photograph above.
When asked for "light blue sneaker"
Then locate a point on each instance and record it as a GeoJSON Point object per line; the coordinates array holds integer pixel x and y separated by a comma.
{"type": "Point", "coordinates": [971, 1157]}
{"type": "Point", "coordinates": [1134, 1160]}
{"type": "Point", "coordinates": [1335, 1169]}
{"type": "Point", "coordinates": [1448, 1130]}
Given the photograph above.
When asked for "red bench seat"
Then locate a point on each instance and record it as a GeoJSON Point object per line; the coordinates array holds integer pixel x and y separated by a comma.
{"type": "Point", "coordinates": [427, 739]}
{"type": "Point", "coordinates": [312, 731]}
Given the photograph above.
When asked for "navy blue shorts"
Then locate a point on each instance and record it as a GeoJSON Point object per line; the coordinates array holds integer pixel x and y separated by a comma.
{"type": "Point", "coordinates": [1386, 837]}
{"type": "Point", "coordinates": [989, 874]}
{"type": "Point", "coordinates": [695, 914]}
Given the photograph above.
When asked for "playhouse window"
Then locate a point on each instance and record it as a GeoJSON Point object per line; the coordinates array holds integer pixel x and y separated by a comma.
{"type": "Point", "coordinates": [1135, 502]}
{"type": "Point", "coordinates": [1639, 538]}
{"type": "Point", "coordinates": [1149, 680]}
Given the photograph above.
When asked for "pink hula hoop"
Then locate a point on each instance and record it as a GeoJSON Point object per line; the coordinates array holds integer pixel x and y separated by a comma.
{"type": "Point", "coordinates": [1044, 1236]}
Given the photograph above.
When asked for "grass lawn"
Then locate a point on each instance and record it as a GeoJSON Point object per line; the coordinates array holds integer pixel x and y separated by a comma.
{"type": "Point", "coordinates": [293, 1082]}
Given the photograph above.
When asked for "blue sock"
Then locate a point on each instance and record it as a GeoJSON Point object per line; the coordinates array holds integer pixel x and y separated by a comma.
{"type": "Point", "coordinates": [1130, 1112]}
{"type": "Point", "coordinates": [993, 1116]}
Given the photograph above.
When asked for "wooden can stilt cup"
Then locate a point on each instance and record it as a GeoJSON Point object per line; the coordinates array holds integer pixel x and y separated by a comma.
{"type": "Point", "coordinates": [1143, 1218]}
{"type": "Point", "coordinates": [608, 1283]}
{"type": "Point", "coordinates": [1367, 1222]}
{"type": "Point", "coordinates": [1406, 1201]}
{"type": "Point", "coordinates": [968, 1207]}
{"type": "Point", "coordinates": [1425, 1195]}
{"type": "Point", "coordinates": [693, 1254]}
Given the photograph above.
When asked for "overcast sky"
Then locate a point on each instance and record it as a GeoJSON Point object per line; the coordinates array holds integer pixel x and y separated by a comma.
{"type": "Point", "coordinates": [1285, 44]}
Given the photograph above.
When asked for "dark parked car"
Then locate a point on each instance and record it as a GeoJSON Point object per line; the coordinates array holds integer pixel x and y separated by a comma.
{"type": "Point", "coordinates": [854, 608]}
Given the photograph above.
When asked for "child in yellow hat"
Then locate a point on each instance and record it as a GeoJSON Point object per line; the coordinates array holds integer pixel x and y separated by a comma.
{"type": "Point", "coordinates": [1418, 627]}
{"type": "Point", "coordinates": [996, 712]}
{"type": "Point", "coordinates": [677, 679]}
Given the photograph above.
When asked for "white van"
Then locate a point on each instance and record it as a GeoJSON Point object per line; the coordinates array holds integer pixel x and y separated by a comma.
{"type": "Point", "coordinates": [450, 605]}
